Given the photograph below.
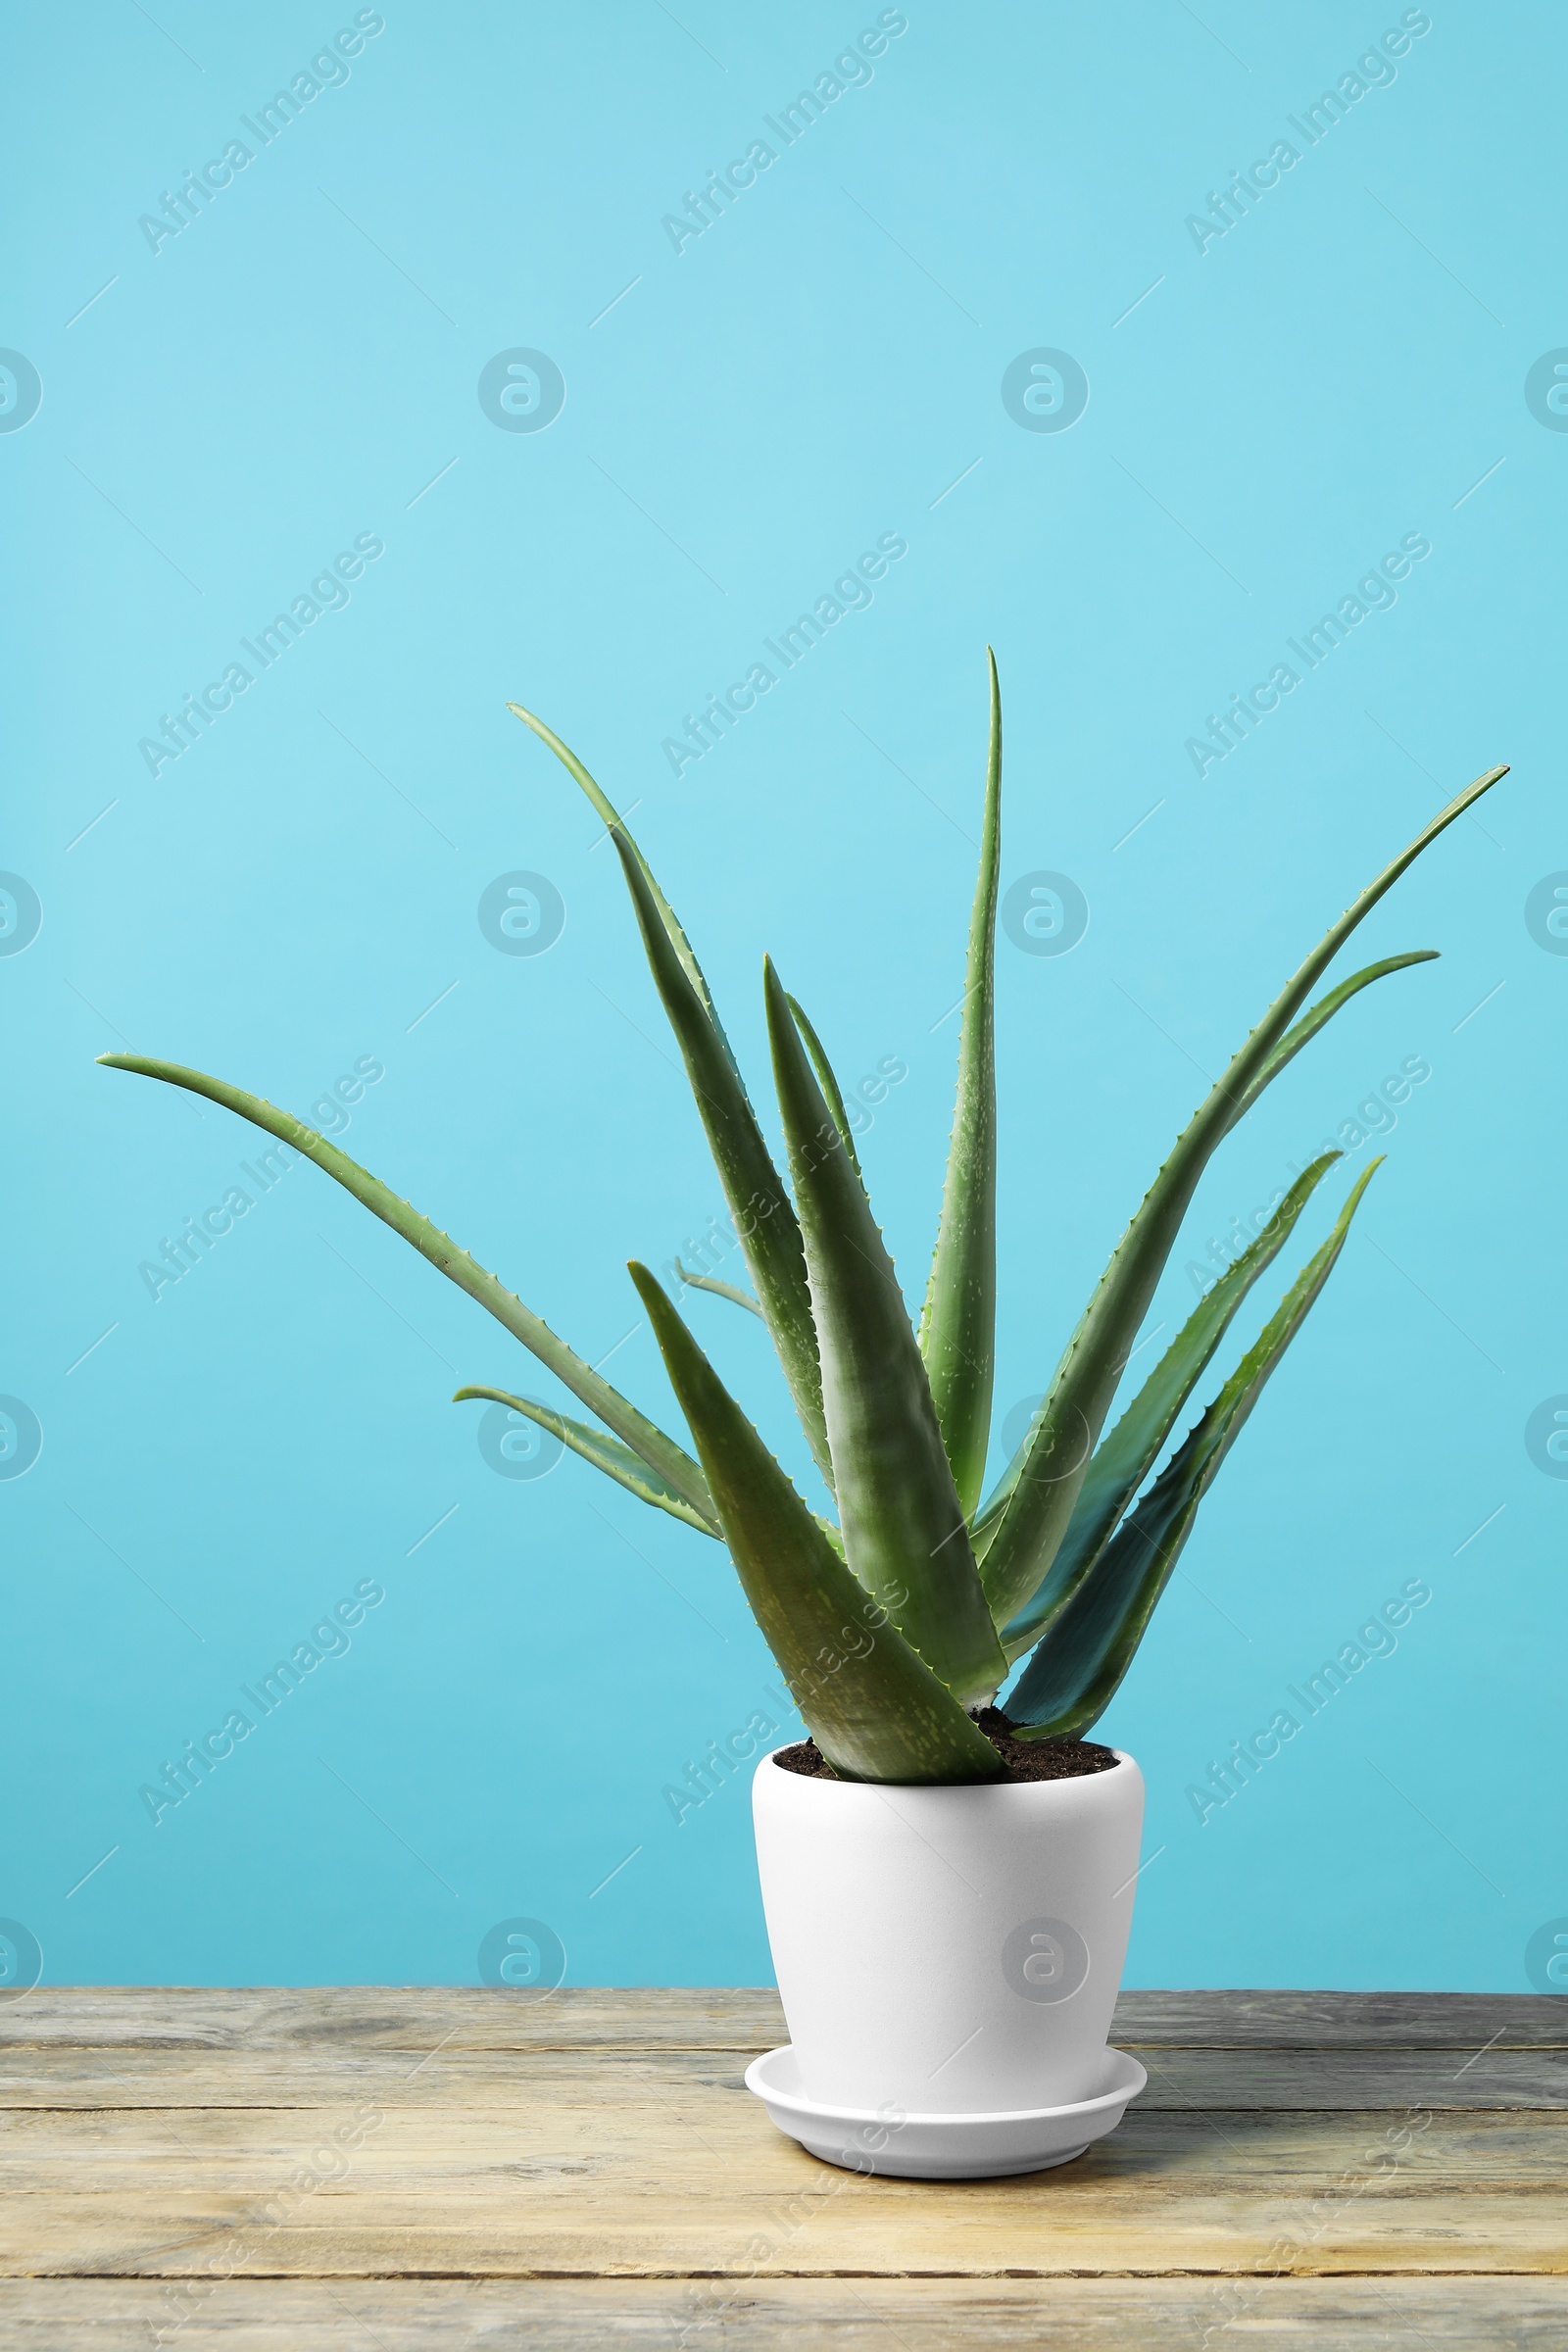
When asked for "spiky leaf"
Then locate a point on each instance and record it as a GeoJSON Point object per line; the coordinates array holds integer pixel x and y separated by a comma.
{"type": "Point", "coordinates": [1070, 1680]}
{"type": "Point", "coordinates": [764, 1218]}
{"type": "Point", "coordinates": [608, 1455]}
{"type": "Point", "coordinates": [1085, 1381]}
{"type": "Point", "coordinates": [1319, 1014]}
{"type": "Point", "coordinates": [832, 1092]}
{"type": "Point", "coordinates": [1124, 1460]}
{"type": "Point", "coordinates": [958, 1323]}
{"type": "Point", "coordinates": [670, 1461]}
{"type": "Point", "coordinates": [720, 1290]}
{"type": "Point", "coordinates": [874, 1709]}
{"type": "Point", "coordinates": [904, 1528]}
{"type": "Point", "coordinates": [599, 801]}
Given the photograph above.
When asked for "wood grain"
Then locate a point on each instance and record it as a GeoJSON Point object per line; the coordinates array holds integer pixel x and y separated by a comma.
{"type": "Point", "coordinates": [588, 2168]}
{"type": "Point", "coordinates": [745, 2018]}
{"type": "Point", "coordinates": [858, 2315]}
{"type": "Point", "coordinates": [630, 2079]}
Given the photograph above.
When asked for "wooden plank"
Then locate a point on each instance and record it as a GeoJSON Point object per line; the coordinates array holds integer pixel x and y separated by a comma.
{"type": "Point", "coordinates": [1460, 2078]}
{"type": "Point", "coordinates": [245, 2151]}
{"type": "Point", "coordinates": [1343, 2021]}
{"type": "Point", "coordinates": [707, 2187]}
{"type": "Point", "coordinates": [859, 2315]}
{"type": "Point", "coordinates": [397, 2017]}
{"type": "Point", "coordinates": [632, 2081]}
{"type": "Point", "coordinates": [677, 2017]}
{"type": "Point", "coordinates": [596, 2157]}
{"type": "Point", "coordinates": [436, 2238]}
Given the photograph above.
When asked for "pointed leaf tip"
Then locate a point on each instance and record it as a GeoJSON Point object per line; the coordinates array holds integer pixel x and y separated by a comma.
{"type": "Point", "coordinates": [629, 1467]}
{"type": "Point", "coordinates": [764, 1217]}
{"type": "Point", "coordinates": [672, 1464]}
{"type": "Point", "coordinates": [958, 1316]}
{"type": "Point", "coordinates": [1032, 1526]}
{"type": "Point", "coordinates": [827, 1081]}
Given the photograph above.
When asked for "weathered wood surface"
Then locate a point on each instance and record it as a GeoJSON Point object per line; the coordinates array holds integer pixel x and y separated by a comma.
{"type": "Point", "coordinates": [747, 2018]}
{"type": "Point", "coordinates": [587, 2168]}
{"type": "Point", "coordinates": [848, 2315]}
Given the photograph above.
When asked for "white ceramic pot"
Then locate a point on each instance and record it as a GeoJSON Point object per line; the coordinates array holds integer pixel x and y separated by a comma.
{"type": "Point", "coordinates": [951, 1950]}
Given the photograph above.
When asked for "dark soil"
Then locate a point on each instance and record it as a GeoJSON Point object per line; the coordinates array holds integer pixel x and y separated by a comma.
{"type": "Point", "coordinates": [1016, 1760]}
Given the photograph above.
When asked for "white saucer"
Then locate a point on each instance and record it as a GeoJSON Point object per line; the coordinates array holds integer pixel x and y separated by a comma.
{"type": "Point", "coordinates": [942, 2147]}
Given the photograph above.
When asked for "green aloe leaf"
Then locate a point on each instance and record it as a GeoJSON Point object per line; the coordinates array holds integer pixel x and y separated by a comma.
{"type": "Point", "coordinates": [874, 1709]}
{"type": "Point", "coordinates": [825, 1079]}
{"type": "Point", "coordinates": [765, 1223]}
{"type": "Point", "coordinates": [617, 1461]}
{"type": "Point", "coordinates": [903, 1528]}
{"type": "Point", "coordinates": [1074, 1673]}
{"type": "Point", "coordinates": [668, 1460]}
{"type": "Point", "coordinates": [1085, 1381]}
{"type": "Point", "coordinates": [957, 1324]}
{"type": "Point", "coordinates": [990, 1519]}
{"type": "Point", "coordinates": [720, 1290]}
{"type": "Point", "coordinates": [599, 799]}
{"type": "Point", "coordinates": [764, 1217]}
{"type": "Point", "coordinates": [1124, 1460]}
{"type": "Point", "coordinates": [1319, 1014]}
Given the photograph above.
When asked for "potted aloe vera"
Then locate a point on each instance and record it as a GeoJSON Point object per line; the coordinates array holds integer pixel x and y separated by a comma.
{"type": "Point", "coordinates": [948, 1884]}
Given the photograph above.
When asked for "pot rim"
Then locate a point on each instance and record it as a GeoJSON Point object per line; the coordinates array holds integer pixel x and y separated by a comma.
{"type": "Point", "coordinates": [1007, 1789]}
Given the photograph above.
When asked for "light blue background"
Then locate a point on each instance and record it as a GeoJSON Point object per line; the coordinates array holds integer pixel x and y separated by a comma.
{"type": "Point", "coordinates": [815, 370]}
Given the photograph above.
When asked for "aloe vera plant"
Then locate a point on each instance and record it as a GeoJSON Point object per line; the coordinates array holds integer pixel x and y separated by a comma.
{"type": "Point", "coordinates": [895, 1624]}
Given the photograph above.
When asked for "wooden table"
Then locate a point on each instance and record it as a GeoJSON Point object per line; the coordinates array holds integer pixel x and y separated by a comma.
{"type": "Point", "coordinates": [368, 2167]}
